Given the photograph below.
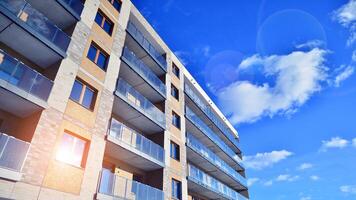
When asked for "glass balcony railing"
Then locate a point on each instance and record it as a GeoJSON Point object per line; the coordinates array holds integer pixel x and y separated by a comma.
{"type": "Point", "coordinates": [76, 5]}
{"type": "Point", "coordinates": [120, 187]}
{"type": "Point", "coordinates": [37, 22]}
{"type": "Point", "coordinates": [138, 101]}
{"type": "Point", "coordinates": [211, 135]}
{"type": "Point", "coordinates": [13, 152]}
{"type": "Point", "coordinates": [17, 74]}
{"type": "Point", "coordinates": [212, 184]}
{"type": "Point", "coordinates": [138, 36]}
{"type": "Point", "coordinates": [144, 71]}
{"type": "Point", "coordinates": [123, 133]}
{"type": "Point", "coordinates": [211, 115]}
{"type": "Point", "coordinates": [195, 144]}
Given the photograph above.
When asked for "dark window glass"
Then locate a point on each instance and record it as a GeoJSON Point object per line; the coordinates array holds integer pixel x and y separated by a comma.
{"type": "Point", "coordinates": [107, 27]}
{"type": "Point", "coordinates": [88, 98]}
{"type": "Point", "coordinates": [102, 58]}
{"type": "Point", "coordinates": [175, 151]}
{"type": "Point", "coordinates": [176, 189]}
{"type": "Point", "coordinates": [76, 91]}
{"type": "Point", "coordinates": [104, 22]}
{"type": "Point", "coordinates": [175, 70]}
{"type": "Point", "coordinates": [83, 94]}
{"type": "Point", "coordinates": [116, 4]}
{"type": "Point", "coordinates": [174, 92]}
{"type": "Point", "coordinates": [175, 120]}
{"type": "Point", "coordinates": [99, 18]}
{"type": "Point", "coordinates": [92, 52]}
{"type": "Point", "coordinates": [98, 56]}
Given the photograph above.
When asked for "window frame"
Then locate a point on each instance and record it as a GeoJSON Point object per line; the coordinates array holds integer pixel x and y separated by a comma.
{"type": "Point", "coordinates": [174, 151]}
{"type": "Point", "coordinates": [85, 86]}
{"type": "Point", "coordinates": [77, 139]}
{"type": "Point", "coordinates": [174, 88]}
{"type": "Point", "coordinates": [105, 18]}
{"type": "Point", "coordinates": [97, 53]}
{"type": "Point", "coordinates": [178, 119]}
{"type": "Point", "coordinates": [176, 70]}
{"type": "Point", "coordinates": [176, 187]}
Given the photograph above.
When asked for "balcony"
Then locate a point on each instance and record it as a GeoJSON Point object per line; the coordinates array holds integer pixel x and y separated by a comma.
{"type": "Point", "coordinates": [135, 109]}
{"type": "Point", "coordinates": [113, 187]}
{"type": "Point", "coordinates": [29, 32]}
{"type": "Point", "coordinates": [22, 90]}
{"type": "Point", "coordinates": [138, 73]}
{"type": "Point", "coordinates": [204, 158]}
{"type": "Point", "coordinates": [129, 146]}
{"type": "Point", "coordinates": [64, 13]}
{"type": "Point", "coordinates": [157, 60]}
{"type": "Point", "coordinates": [13, 154]}
{"type": "Point", "coordinates": [227, 135]}
{"type": "Point", "coordinates": [205, 185]}
{"type": "Point", "coordinates": [208, 137]}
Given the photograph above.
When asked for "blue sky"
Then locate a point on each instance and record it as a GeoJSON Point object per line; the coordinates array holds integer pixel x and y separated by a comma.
{"type": "Point", "coordinates": [283, 72]}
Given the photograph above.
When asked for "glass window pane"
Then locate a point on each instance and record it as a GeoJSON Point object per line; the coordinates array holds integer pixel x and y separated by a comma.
{"type": "Point", "coordinates": [117, 5]}
{"type": "Point", "coordinates": [92, 52]}
{"type": "Point", "coordinates": [88, 99]}
{"type": "Point", "coordinates": [99, 18]}
{"type": "Point", "coordinates": [107, 27]}
{"type": "Point", "coordinates": [76, 91]}
{"type": "Point", "coordinates": [78, 152]}
{"type": "Point", "coordinates": [71, 150]}
{"type": "Point", "coordinates": [102, 60]}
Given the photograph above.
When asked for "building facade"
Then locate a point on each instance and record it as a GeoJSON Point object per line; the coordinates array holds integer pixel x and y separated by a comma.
{"type": "Point", "coordinates": [94, 105]}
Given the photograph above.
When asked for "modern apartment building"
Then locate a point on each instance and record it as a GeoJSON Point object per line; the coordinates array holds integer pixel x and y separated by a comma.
{"type": "Point", "coordinates": [94, 105]}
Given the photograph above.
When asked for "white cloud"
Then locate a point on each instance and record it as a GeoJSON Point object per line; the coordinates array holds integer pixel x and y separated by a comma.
{"type": "Point", "coordinates": [306, 198]}
{"type": "Point", "coordinates": [305, 166]}
{"type": "Point", "coordinates": [206, 50]}
{"type": "Point", "coordinates": [354, 142]}
{"type": "Point", "coordinates": [268, 183]}
{"type": "Point", "coordinates": [345, 73]}
{"type": "Point", "coordinates": [335, 142]}
{"type": "Point", "coordinates": [287, 177]}
{"type": "Point", "coordinates": [310, 44]}
{"type": "Point", "coordinates": [314, 178]}
{"type": "Point", "coordinates": [298, 76]}
{"type": "Point", "coordinates": [353, 56]}
{"type": "Point", "coordinates": [351, 189]}
{"type": "Point", "coordinates": [182, 56]}
{"type": "Point", "coordinates": [252, 181]}
{"type": "Point", "coordinates": [267, 159]}
{"type": "Point", "coordinates": [346, 16]}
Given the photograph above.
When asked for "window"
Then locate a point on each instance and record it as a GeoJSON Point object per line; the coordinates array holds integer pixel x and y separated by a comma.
{"type": "Point", "coordinates": [175, 70]}
{"type": "Point", "coordinates": [116, 4]}
{"type": "Point", "coordinates": [175, 151]}
{"type": "Point", "coordinates": [83, 94]}
{"type": "Point", "coordinates": [98, 56]}
{"type": "Point", "coordinates": [72, 150]}
{"type": "Point", "coordinates": [174, 92]}
{"type": "Point", "coordinates": [104, 22]}
{"type": "Point", "coordinates": [175, 120]}
{"type": "Point", "coordinates": [176, 189]}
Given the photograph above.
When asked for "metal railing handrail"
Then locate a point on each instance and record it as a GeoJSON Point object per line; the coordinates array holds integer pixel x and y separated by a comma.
{"type": "Point", "coordinates": [16, 73]}
{"type": "Point", "coordinates": [118, 130]}
{"type": "Point", "coordinates": [13, 152]}
{"type": "Point", "coordinates": [144, 71]}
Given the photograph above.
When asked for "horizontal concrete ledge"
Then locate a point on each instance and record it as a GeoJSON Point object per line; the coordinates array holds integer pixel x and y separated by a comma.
{"type": "Point", "coordinates": [10, 175]}
{"type": "Point", "coordinates": [100, 196]}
